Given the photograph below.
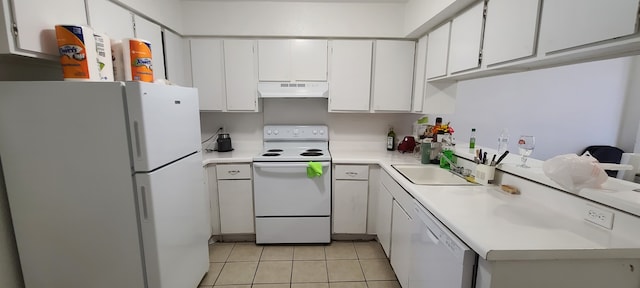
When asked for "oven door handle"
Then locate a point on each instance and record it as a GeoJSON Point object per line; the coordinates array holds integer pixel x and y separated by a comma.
{"type": "Point", "coordinates": [287, 165]}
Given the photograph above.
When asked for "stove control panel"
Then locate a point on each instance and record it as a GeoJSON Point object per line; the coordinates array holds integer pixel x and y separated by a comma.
{"type": "Point", "coordinates": [296, 132]}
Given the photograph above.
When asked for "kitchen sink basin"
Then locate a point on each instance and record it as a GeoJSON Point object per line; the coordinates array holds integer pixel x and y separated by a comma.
{"type": "Point", "coordinates": [430, 175]}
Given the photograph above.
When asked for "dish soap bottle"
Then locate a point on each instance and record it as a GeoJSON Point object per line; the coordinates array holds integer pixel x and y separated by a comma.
{"type": "Point", "coordinates": [472, 140]}
{"type": "Point", "coordinates": [391, 140]}
{"type": "Point", "coordinates": [503, 141]}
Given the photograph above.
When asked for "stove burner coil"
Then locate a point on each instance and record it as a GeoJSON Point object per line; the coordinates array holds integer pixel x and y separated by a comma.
{"type": "Point", "coordinates": [271, 154]}
{"type": "Point", "coordinates": [311, 154]}
{"type": "Point", "coordinates": [274, 150]}
{"type": "Point", "coordinates": [313, 150]}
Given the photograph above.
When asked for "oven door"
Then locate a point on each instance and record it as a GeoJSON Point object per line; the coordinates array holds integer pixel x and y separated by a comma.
{"type": "Point", "coordinates": [284, 189]}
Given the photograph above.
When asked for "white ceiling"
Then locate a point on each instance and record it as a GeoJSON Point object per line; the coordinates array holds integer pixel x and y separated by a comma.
{"type": "Point", "coordinates": [319, 1]}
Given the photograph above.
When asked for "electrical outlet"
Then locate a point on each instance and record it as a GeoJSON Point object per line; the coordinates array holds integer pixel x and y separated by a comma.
{"type": "Point", "coordinates": [598, 216]}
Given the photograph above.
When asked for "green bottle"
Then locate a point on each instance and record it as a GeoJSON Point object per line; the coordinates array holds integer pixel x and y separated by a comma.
{"type": "Point", "coordinates": [391, 140]}
{"type": "Point", "coordinates": [472, 140]}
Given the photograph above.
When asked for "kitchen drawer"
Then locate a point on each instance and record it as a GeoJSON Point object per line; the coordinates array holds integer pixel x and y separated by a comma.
{"type": "Point", "coordinates": [233, 171]}
{"type": "Point", "coordinates": [352, 172]}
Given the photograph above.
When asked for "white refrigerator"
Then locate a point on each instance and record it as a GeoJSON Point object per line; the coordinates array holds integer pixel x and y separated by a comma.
{"type": "Point", "coordinates": [105, 183]}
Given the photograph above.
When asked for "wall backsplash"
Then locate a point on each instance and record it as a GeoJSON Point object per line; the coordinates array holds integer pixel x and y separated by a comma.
{"type": "Point", "coordinates": [344, 127]}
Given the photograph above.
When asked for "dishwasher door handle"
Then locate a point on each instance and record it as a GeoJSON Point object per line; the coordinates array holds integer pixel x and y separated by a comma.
{"type": "Point", "coordinates": [431, 235]}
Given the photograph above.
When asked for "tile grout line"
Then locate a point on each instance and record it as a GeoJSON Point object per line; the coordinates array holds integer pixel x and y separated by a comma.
{"type": "Point", "coordinates": [255, 273]}
{"type": "Point", "coordinates": [223, 264]}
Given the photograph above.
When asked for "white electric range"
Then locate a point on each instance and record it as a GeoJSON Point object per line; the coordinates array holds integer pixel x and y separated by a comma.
{"type": "Point", "coordinates": [292, 206]}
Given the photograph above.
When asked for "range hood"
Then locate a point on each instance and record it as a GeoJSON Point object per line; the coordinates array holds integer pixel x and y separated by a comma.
{"type": "Point", "coordinates": [293, 89]}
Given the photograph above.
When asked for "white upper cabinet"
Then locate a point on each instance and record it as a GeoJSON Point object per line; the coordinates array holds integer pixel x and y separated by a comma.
{"type": "Point", "coordinates": [208, 73]}
{"type": "Point", "coordinates": [571, 23]}
{"type": "Point", "coordinates": [34, 31]}
{"type": "Point", "coordinates": [274, 58]}
{"type": "Point", "coordinates": [147, 30]}
{"type": "Point", "coordinates": [292, 60]}
{"type": "Point", "coordinates": [111, 19]}
{"type": "Point", "coordinates": [241, 75]}
{"type": "Point", "coordinates": [466, 39]}
{"type": "Point", "coordinates": [224, 71]}
{"type": "Point", "coordinates": [419, 75]}
{"type": "Point", "coordinates": [428, 96]}
{"type": "Point", "coordinates": [177, 63]}
{"type": "Point", "coordinates": [350, 75]}
{"type": "Point", "coordinates": [393, 75]}
{"type": "Point", "coordinates": [309, 60]}
{"type": "Point", "coordinates": [510, 31]}
{"type": "Point", "coordinates": [438, 51]}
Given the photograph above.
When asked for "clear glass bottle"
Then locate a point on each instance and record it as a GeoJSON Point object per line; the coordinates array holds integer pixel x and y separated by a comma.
{"type": "Point", "coordinates": [503, 141]}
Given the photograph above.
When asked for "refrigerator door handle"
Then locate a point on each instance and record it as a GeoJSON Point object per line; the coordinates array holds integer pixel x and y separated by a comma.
{"type": "Point", "coordinates": [143, 200]}
{"type": "Point", "coordinates": [136, 133]}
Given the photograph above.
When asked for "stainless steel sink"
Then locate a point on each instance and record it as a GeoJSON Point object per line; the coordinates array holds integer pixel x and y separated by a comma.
{"type": "Point", "coordinates": [430, 175]}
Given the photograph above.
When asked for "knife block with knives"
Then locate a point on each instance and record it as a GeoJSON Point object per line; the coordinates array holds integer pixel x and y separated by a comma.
{"type": "Point", "coordinates": [485, 170]}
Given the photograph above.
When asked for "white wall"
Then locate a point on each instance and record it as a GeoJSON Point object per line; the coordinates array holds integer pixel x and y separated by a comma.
{"type": "Point", "coordinates": [369, 129]}
{"type": "Point", "coordinates": [302, 19]}
{"type": "Point", "coordinates": [629, 136]}
{"type": "Point", "coordinates": [567, 108]}
{"type": "Point", "coordinates": [167, 12]}
{"type": "Point", "coordinates": [422, 15]}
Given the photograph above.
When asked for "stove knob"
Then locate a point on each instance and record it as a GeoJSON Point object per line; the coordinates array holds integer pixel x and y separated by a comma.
{"type": "Point", "coordinates": [321, 132]}
{"type": "Point", "coordinates": [269, 132]}
{"type": "Point", "coordinates": [296, 132]}
{"type": "Point", "coordinates": [276, 132]}
{"type": "Point", "coordinates": [315, 132]}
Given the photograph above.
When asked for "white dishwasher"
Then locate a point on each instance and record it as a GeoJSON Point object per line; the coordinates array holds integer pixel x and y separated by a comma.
{"type": "Point", "coordinates": [439, 259]}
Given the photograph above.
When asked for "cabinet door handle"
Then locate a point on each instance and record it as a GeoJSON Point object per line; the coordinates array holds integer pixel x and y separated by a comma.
{"type": "Point", "coordinates": [233, 172]}
{"type": "Point", "coordinates": [352, 174]}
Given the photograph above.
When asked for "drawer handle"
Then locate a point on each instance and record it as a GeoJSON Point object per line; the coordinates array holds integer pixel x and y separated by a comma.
{"type": "Point", "coordinates": [352, 174]}
{"type": "Point", "coordinates": [233, 172]}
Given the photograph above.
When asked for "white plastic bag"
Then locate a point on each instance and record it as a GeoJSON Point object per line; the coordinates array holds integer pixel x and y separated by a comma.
{"type": "Point", "coordinates": [574, 172]}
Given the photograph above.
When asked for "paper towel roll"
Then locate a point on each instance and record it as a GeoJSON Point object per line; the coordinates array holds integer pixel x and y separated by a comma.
{"type": "Point", "coordinates": [118, 61]}
{"type": "Point", "coordinates": [104, 59]}
{"type": "Point", "coordinates": [78, 56]}
{"type": "Point", "coordinates": [137, 60]}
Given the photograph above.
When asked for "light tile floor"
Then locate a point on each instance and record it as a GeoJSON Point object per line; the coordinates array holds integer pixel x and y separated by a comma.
{"type": "Point", "coordinates": [341, 264]}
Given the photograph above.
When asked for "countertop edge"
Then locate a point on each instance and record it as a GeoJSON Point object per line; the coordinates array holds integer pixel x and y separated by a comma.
{"type": "Point", "coordinates": [386, 158]}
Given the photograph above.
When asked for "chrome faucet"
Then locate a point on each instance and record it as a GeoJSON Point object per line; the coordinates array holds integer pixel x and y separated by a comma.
{"type": "Point", "coordinates": [452, 167]}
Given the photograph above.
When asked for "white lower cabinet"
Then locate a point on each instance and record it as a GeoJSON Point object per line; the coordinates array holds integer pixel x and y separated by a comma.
{"type": "Point", "coordinates": [394, 202]}
{"type": "Point", "coordinates": [383, 223]}
{"type": "Point", "coordinates": [235, 197]}
{"type": "Point", "coordinates": [401, 244]}
{"type": "Point", "coordinates": [350, 199]}
{"type": "Point", "coordinates": [350, 207]}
